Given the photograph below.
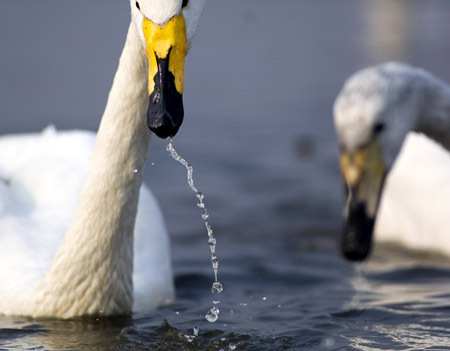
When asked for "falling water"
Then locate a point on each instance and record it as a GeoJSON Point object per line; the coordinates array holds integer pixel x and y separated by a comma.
{"type": "Point", "coordinates": [213, 314]}
{"type": "Point", "coordinates": [359, 283]}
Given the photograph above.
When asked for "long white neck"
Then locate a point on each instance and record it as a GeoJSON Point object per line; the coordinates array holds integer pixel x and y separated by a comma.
{"type": "Point", "coordinates": [434, 116]}
{"type": "Point", "coordinates": [92, 270]}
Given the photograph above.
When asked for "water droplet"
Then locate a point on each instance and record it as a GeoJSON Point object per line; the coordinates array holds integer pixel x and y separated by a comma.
{"type": "Point", "coordinates": [328, 342]}
{"type": "Point", "coordinates": [177, 312]}
{"type": "Point", "coordinates": [215, 262]}
{"type": "Point", "coordinates": [212, 315]}
{"type": "Point", "coordinates": [232, 346]}
{"type": "Point", "coordinates": [243, 304]}
{"type": "Point", "coordinates": [196, 331]}
{"type": "Point", "coordinates": [135, 171]}
{"type": "Point", "coordinates": [208, 228]}
{"type": "Point", "coordinates": [264, 298]}
{"type": "Point", "coordinates": [216, 302]}
{"type": "Point", "coordinates": [217, 288]}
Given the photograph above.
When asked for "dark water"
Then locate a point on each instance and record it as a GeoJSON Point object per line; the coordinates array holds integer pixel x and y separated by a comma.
{"type": "Point", "coordinates": [260, 82]}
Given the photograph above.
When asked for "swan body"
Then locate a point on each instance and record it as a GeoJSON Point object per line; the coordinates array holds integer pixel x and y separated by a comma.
{"type": "Point", "coordinates": [415, 204]}
{"type": "Point", "coordinates": [79, 232]}
{"type": "Point", "coordinates": [44, 174]}
{"type": "Point", "coordinates": [393, 123]}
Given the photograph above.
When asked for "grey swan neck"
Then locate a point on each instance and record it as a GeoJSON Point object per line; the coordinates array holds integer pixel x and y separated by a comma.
{"type": "Point", "coordinates": [434, 114]}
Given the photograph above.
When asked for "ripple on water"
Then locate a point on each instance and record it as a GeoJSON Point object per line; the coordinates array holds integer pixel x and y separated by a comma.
{"type": "Point", "coordinates": [168, 338]}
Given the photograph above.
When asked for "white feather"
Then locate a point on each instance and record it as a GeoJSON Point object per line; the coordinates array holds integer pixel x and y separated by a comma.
{"type": "Point", "coordinates": [415, 204]}
{"type": "Point", "coordinates": [42, 176]}
{"type": "Point", "coordinates": [79, 233]}
{"type": "Point", "coordinates": [409, 102]}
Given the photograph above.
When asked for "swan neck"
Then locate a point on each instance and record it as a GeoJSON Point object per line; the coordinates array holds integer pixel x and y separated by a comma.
{"type": "Point", "coordinates": [92, 271]}
{"type": "Point", "coordinates": [434, 117]}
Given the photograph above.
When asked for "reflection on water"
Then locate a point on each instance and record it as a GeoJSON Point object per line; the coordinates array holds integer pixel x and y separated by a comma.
{"type": "Point", "coordinates": [86, 333]}
{"type": "Point", "coordinates": [402, 302]}
{"type": "Point", "coordinates": [295, 300]}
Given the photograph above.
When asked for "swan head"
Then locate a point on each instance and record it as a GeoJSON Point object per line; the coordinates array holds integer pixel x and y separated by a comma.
{"type": "Point", "coordinates": [373, 113]}
{"type": "Point", "coordinates": [166, 29]}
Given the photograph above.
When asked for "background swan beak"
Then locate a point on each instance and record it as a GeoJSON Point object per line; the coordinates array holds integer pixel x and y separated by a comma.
{"type": "Point", "coordinates": [166, 49]}
{"type": "Point", "coordinates": [358, 230]}
{"type": "Point", "coordinates": [364, 173]}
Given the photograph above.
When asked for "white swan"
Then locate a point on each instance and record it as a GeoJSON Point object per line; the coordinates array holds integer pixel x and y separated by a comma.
{"type": "Point", "coordinates": [394, 112]}
{"type": "Point", "coordinates": [67, 223]}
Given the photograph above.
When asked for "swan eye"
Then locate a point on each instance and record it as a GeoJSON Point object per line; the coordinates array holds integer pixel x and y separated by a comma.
{"type": "Point", "coordinates": [378, 128]}
{"type": "Point", "coordinates": [137, 5]}
{"type": "Point", "coordinates": [185, 3]}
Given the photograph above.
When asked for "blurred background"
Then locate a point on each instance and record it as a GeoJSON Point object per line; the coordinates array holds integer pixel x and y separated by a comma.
{"type": "Point", "coordinates": [261, 78]}
{"type": "Point", "coordinates": [260, 83]}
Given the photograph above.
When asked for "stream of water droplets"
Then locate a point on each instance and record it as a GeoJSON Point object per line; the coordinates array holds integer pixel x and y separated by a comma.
{"type": "Point", "coordinates": [213, 314]}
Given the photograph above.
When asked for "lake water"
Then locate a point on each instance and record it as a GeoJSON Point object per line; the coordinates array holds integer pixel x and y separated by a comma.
{"type": "Point", "coordinates": [260, 82]}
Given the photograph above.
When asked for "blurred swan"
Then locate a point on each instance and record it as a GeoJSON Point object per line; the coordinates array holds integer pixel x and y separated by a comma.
{"type": "Point", "coordinates": [394, 112]}
{"type": "Point", "coordinates": [69, 200]}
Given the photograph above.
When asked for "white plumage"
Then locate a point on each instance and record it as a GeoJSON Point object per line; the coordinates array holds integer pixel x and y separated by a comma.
{"type": "Point", "coordinates": [44, 174]}
{"type": "Point", "coordinates": [69, 203]}
{"type": "Point", "coordinates": [413, 109]}
{"type": "Point", "coordinates": [415, 204]}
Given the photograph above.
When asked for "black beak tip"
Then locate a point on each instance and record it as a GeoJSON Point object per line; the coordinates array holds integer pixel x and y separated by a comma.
{"type": "Point", "coordinates": [357, 236]}
{"type": "Point", "coordinates": [163, 123]}
{"type": "Point", "coordinates": [165, 106]}
{"type": "Point", "coordinates": [164, 131]}
{"type": "Point", "coordinates": [354, 253]}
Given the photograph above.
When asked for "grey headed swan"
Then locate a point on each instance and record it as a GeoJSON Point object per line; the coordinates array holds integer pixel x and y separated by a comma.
{"type": "Point", "coordinates": [79, 232]}
{"type": "Point", "coordinates": [393, 128]}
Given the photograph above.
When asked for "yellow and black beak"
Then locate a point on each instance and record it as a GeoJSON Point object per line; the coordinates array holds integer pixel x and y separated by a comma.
{"type": "Point", "coordinates": [166, 49]}
{"type": "Point", "coordinates": [364, 173]}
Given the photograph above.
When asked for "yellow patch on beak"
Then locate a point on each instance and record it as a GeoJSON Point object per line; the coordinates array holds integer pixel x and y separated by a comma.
{"type": "Point", "coordinates": [166, 41]}
{"type": "Point", "coordinates": [363, 172]}
{"type": "Point", "coordinates": [353, 166]}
